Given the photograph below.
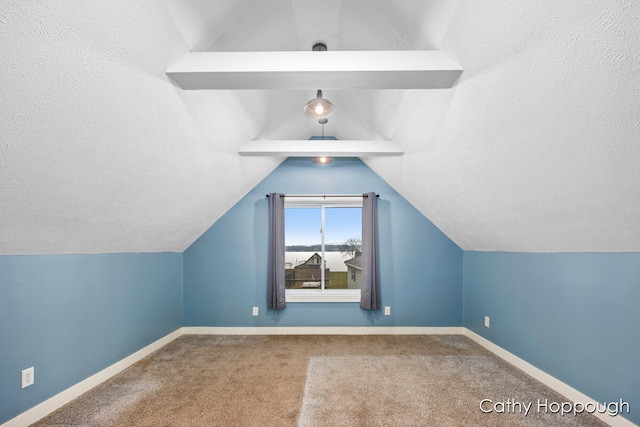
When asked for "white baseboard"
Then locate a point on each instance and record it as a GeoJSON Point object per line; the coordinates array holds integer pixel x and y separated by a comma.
{"type": "Point", "coordinates": [546, 379]}
{"type": "Point", "coordinates": [48, 406]}
{"type": "Point", "coordinates": [45, 408]}
{"type": "Point", "coordinates": [323, 330]}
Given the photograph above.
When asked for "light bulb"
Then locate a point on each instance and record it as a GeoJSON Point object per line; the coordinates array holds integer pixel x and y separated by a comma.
{"type": "Point", "coordinates": [324, 160]}
{"type": "Point", "coordinates": [319, 109]}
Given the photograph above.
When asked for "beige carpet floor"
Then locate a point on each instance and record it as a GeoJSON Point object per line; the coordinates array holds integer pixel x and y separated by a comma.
{"type": "Point", "coordinates": [416, 380]}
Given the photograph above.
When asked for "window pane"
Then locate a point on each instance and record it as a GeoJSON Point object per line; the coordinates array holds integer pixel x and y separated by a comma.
{"type": "Point", "coordinates": [303, 251]}
{"type": "Point", "coordinates": [343, 240]}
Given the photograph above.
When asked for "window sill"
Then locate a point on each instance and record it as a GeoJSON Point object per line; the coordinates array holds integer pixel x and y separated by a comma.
{"type": "Point", "coordinates": [317, 295]}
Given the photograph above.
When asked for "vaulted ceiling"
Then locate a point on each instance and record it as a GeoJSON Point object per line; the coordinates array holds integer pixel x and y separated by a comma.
{"type": "Point", "coordinates": [536, 147]}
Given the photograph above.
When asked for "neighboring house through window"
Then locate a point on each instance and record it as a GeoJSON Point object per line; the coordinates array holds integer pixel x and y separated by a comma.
{"type": "Point", "coordinates": [354, 271]}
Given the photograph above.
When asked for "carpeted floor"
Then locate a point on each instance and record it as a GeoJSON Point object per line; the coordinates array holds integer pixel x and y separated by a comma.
{"type": "Point", "coordinates": [408, 380]}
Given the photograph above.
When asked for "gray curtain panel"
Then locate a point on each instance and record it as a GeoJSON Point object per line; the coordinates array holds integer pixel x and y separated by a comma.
{"type": "Point", "coordinates": [370, 292]}
{"type": "Point", "coordinates": [275, 279]}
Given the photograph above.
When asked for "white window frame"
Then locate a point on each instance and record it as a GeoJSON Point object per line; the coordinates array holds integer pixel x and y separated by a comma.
{"type": "Point", "coordinates": [322, 295]}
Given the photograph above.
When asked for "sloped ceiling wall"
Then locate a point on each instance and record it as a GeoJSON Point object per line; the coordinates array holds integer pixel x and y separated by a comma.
{"type": "Point", "coordinates": [537, 148]}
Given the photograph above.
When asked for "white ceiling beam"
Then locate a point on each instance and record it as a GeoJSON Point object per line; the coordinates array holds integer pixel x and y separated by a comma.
{"type": "Point", "coordinates": [316, 148]}
{"type": "Point", "coordinates": [408, 69]}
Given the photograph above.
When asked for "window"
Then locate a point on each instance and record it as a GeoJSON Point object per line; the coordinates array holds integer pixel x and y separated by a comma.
{"type": "Point", "coordinates": [322, 243]}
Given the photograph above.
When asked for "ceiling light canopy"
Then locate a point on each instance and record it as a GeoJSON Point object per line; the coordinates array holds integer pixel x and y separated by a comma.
{"type": "Point", "coordinates": [319, 108]}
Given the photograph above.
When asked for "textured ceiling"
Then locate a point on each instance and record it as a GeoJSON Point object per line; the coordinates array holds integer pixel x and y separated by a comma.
{"type": "Point", "coordinates": [536, 148]}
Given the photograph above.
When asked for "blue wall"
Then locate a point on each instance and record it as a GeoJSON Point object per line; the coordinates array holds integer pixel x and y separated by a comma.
{"type": "Point", "coordinates": [420, 268]}
{"type": "Point", "coordinates": [573, 315]}
{"type": "Point", "coordinates": [70, 316]}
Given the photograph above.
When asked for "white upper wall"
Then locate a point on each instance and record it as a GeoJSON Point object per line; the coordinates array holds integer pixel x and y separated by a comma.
{"type": "Point", "coordinates": [537, 147]}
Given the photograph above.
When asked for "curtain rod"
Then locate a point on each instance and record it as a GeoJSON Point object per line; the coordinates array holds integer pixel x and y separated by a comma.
{"type": "Point", "coordinates": [324, 196]}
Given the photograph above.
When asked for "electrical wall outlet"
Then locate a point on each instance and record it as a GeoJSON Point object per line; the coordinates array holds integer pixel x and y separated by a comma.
{"type": "Point", "coordinates": [255, 311]}
{"type": "Point", "coordinates": [486, 321]}
{"type": "Point", "coordinates": [387, 310]}
{"type": "Point", "coordinates": [28, 377]}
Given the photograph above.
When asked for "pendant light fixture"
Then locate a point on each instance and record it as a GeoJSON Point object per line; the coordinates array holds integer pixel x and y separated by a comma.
{"type": "Point", "coordinates": [318, 107]}
{"type": "Point", "coordinates": [323, 160]}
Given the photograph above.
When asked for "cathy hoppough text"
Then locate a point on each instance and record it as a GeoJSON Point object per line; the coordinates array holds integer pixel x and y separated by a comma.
{"type": "Point", "coordinates": [512, 406]}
